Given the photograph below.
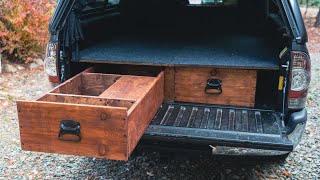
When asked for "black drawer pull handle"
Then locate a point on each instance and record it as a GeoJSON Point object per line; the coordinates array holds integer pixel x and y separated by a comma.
{"type": "Point", "coordinates": [70, 127]}
{"type": "Point", "coordinates": [214, 84]}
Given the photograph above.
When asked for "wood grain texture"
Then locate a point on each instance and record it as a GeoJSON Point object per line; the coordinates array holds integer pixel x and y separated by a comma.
{"type": "Point", "coordinates": [129, 87]}
{"type": "Point", "coordinates": [94, 84]}
{"type": "Point", "coordinates": [91, 84]}
{"type": "Point", "coordinates": [149, 95]}
{"type": "Point", "coordinates": [100, 127]}
{"type": "Point", "coordinates": [239, 86]}
{"type": "Point", "coordinates": [143, 111]}
{"type": "Point", "coordinates": [90, 100]}
{"type": "Point", "coordinates": [169, 75]}
{"type": "Point", "coordinates": [110, 127]}
{"type": "Point", "coordinates": [72, 85]}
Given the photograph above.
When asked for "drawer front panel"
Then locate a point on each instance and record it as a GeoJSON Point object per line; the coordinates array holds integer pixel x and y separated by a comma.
{"type": "Point", "coordinates": [102, 129]}
{"type": "Point", "coordinates": [238, 86]}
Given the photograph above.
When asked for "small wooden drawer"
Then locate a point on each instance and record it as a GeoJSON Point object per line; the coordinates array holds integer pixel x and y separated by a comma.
{"type": "Point", "coordinates": [92, 114]}
{"type": "Point", "coordinates": [237, 86]}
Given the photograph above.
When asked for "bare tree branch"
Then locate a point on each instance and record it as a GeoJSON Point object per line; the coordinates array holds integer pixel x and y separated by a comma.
{"type": "Point", "coordinates": [307, 6]}
{"type": "Point", "coordinates": [317, 23]}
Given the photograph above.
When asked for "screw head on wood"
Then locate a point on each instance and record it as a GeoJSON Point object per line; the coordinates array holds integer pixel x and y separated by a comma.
{"type": "Point", "coordinates": [103, 149]}
{"type": "Point", "coordinates": [213, 72]}
{"type": "Point", "coordinates": [103, 116]}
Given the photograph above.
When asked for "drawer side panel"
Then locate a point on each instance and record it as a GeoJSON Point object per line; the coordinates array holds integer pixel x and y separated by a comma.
{"type": "Point", "coordinates": [146, 108]}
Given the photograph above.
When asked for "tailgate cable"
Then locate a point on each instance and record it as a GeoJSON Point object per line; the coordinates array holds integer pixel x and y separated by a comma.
{"type": "Point", "coordinates": [284, 89]}
{"type": "Point", "coordinates": [283, 78]}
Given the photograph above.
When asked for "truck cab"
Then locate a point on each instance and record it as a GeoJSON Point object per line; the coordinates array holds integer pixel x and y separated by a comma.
{"type": "Point", "coordinates": [224, 76]}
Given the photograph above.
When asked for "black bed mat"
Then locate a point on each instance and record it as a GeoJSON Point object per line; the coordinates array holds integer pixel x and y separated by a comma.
{"type": "Point", "coordinates": [223, 125]}
{"type": "Point", "coordinates": [238, 51]}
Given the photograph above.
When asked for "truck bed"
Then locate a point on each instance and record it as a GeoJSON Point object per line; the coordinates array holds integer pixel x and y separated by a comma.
{"type": "Point", "coordinates": [236, 51]}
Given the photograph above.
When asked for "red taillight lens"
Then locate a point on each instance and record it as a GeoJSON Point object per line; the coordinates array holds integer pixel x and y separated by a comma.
{"type": "Point", "coordinates": [300, 80]}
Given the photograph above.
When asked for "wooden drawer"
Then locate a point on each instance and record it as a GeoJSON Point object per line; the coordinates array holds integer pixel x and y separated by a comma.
{"type": "Point", "coordinates": [238, 86]}
{"type": "Point", "coordinates": [112, 111]}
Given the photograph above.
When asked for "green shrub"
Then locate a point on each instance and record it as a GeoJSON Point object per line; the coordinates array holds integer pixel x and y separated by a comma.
{"type": "Point", "coordinates": [24, 28]}
{"type": "Point", "coordinates": [311, 3]}
{"type": "Point", "coordinates": [315, 3]}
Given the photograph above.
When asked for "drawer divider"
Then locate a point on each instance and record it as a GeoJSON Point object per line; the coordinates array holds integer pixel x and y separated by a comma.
{"type": "Point", "coordinates": [90, 100]}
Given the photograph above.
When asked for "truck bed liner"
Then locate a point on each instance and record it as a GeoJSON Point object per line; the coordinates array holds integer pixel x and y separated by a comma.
{"type": "Point", "coordinates": [219, 126]}
{"type": "Point", "coordinates": [237, 51]}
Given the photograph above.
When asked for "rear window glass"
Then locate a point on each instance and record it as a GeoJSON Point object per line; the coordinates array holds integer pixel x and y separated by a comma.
{"type": "Point", "coordinates": [213, 2]}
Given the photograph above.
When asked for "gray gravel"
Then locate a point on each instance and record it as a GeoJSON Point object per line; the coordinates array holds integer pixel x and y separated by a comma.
{"type": "Point", "coordinates": [303, 163]}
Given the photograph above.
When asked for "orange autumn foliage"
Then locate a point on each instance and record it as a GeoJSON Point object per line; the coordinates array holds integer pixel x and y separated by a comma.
{"type": "Point", "coordinates": [24, 28]}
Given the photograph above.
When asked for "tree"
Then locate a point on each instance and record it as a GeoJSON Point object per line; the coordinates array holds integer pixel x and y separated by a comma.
{"type": "Point", "coordinates": [307, 6]}
{"type": "Point", "coordinates": [317, 23]}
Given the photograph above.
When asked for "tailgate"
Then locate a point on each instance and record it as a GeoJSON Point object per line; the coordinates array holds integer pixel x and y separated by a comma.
{"type": "Point", "coordinates": [218, 126]}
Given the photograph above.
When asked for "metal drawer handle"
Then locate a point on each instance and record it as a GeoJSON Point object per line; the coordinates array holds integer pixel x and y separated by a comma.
{"type": "Point", "coordinates": [70, 127]}
{"type": "Point", "coordinates": [214, 84]}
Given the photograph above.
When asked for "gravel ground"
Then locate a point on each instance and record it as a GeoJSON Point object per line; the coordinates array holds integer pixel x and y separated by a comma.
{"type": "Point", "coordinates": [303, 163]}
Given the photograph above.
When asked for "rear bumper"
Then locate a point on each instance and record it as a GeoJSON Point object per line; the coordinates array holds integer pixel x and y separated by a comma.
{"type": "Point", "coordinates": [226, 141]}
{"type": "Point", "coordinates": [296, 126]}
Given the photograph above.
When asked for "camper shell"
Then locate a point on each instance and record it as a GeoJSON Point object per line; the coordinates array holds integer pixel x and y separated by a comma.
{"type": "Point", "coordinates": [227, 77]}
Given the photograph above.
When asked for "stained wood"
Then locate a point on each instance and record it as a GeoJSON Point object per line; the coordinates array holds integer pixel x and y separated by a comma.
{"type": "Point", "coordinates": [141, 70]}
{"type": "Point", "coordinates": [92, 84]}
{"type": "Point", "coordinates": [169, 75]}
{"type": "Point", "coordinates": [76, 99]}
{"type": "Point", "coordinates": [100, 127]}
{"type": "Point", "coordinates": [143, 111]}
{"type": "Point", "coordinates": [239, 86]}
{"type": "Point", "coordinates": [95, 83]}
{"type": "Point", "coordinates": [129, 87]}
{"type": "Point", "coordinates": [110, 127]}
{"type": "Point", "coordinates": [149, 95]}
{"type": "Point", "coordinates": [72, 85]}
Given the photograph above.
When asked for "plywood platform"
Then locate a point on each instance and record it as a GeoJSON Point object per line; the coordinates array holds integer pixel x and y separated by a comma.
{"type": "Point", "coordinates": [236, 51]}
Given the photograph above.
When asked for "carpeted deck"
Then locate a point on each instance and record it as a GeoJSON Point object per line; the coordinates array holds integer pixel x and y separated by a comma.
{"type": "Point", "coordinates": [238, 51]}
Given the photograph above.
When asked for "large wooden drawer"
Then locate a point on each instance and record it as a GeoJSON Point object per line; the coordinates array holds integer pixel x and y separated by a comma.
{"type": "Point", "coordinates": [92, 114]}
{"type": "Point", "coordinates": [238, 86]}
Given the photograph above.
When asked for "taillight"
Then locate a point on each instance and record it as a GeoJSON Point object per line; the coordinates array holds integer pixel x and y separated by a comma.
{"type": "Point", "coordinates": [300, 80]}
{"type": "Point", "coordinates": [50, 61]}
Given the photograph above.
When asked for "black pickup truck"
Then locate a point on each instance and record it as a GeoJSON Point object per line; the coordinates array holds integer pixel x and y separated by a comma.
{"type": "Point", "coordinates": [223, 76]}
